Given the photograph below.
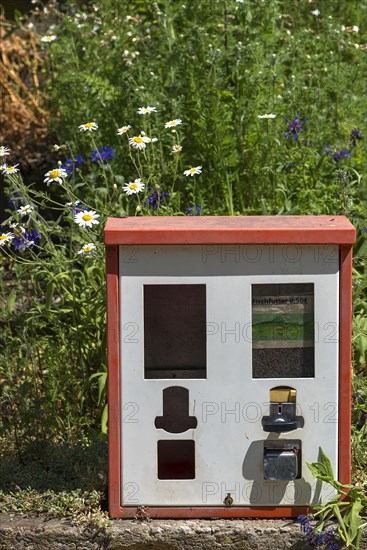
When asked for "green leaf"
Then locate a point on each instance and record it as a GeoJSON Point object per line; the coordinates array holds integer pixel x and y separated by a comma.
{"type": "Point", "coordinates": [342, 528]}
{"type": "Point", "coordinates": [104, 420]}
{"type": "Point", "coordinates": [11, 300]}
{"type": "Point", "coordinates": [354, 519]}
{"type": "Point", "coordinates": [322, 470]}
{"type": "Point", "coordinates": [49, 294]}
{"type": "Point", "coordinates": [327, 464]}
{"type": "Point", "coordinates": [102, 376]}
{"type": "Point", "coordinates": [101, 385]}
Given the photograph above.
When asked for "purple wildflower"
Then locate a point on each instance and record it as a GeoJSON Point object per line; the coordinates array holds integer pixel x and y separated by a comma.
{"type": "Point", "coordinates": [295, 126]}
{"type": "Point", "coordinates": [76, 207]}
{"type": "Point", "coordinates": [354, 136]}
{"type": "Point", "coordinates": [194, 210]}
{"type": "Point", "coordinates": [337, 155]}
{"type": "Point", "coordinates": [102, 154]}
{"type": "Point", "coordinates": [15, 201]}
{"type": "Point", "coordinates": [305, 523]}
{"type": "Point", "coordinates": [358, 396]}
{"type": "Point", "coordinates": [328, 537]}
{"type": "Point", "coordinates": [69, 165]}
{"type": "Point", "coordinates": [156, 197]}
{"type": "Point", "coordinates": [28, 239]}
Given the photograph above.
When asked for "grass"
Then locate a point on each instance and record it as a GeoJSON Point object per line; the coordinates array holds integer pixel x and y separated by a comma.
{"type": "Point", "coordinates": [56, 479]}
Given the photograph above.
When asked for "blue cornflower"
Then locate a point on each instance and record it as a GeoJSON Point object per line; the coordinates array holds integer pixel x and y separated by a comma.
{"type": "Point", "coordinates": [156, 197]}
{"type": "Point", "coordinates": [69, 165]}
{"type": "Point", "coordinates": [76, 207]}
{"type": "Point", "coordinates": [305, 523]}
{"type": "Point", "coordinates": [329, 537]}
{"type": "Point", "coordinates": [15, 201]}
{"type": "Point", "coordinates": [354, 136]}
{"type": "Point", "coordinates": [357, 395]}
{"type": "Point", "coordinates": [295, 126]}
{"type": "Point", "coordinates": [194, 210]}
{"type": "Point", "coordinates": [103, 154]}
{"type": "Point", "coordinates": [337, 155]}
{"type": "Point", "coordinates": [28, 239]}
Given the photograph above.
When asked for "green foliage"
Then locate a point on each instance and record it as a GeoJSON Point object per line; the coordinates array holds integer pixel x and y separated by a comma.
{"type": "Point", "coordinates": [220, 67]}
{"type": "Point", "coordinates": [347, 507]}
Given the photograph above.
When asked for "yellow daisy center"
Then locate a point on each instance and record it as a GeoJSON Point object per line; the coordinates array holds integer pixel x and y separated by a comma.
{"type": "Point", "coordinates": [192, 170]}
{"type": "Point", "coordinates": [89, 125]}
{"type": "Point", "coordinates": [134, 186]}
{"type": "Point", "coordinates": [54, 173]}
{"type": "Point", "coordinates": [10, 168]}
{"type": "Point", "coordinates": [138, 139]}
{"type": "Point", "coordinates": [87, 217]}
{"type": "Point", "coordinates": [3, 237]}
{"type": "Point", "coordinates": [87, 248]}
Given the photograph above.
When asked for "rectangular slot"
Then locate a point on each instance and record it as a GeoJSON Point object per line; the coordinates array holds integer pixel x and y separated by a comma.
{"type": "Point", "coordinates": [176, 459]}
{"type": "Point", "coordinates": [283, 330]}
{"type": "Point", "coordinates": [174, 331]}
{"type": "Point", "coordinates": [283, 460]}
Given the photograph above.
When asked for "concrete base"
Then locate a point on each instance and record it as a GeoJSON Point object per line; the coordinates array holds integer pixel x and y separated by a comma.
{"type": "Point", "coordinates": [40, 533]}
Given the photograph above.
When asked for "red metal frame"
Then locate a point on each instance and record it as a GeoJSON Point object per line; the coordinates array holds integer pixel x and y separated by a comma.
{"type": "Point", "coordinates": [225, 230]}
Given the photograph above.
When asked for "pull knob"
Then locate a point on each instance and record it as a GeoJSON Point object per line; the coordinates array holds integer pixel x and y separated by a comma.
{"type": "Point", "coordinates": [282, 418]}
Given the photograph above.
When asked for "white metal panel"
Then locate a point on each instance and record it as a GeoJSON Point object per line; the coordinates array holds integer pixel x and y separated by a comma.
{"type": "Point", "coordinates": [229, 403]}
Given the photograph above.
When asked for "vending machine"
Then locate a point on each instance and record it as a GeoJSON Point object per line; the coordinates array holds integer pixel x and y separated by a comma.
{"type": "Point", "coordinates": [229, 363]}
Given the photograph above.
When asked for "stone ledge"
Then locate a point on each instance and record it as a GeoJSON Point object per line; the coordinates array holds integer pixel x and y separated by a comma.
{"type": "Point", "coordinates": [40, 533]}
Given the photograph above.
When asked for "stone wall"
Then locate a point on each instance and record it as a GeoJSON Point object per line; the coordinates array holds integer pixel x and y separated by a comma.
{"type": "Point", "coordinates": [40, 533]}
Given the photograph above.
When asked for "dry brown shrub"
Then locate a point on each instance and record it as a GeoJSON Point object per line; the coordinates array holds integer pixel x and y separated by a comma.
{"type": "Point", "coordinates": [23, 118]}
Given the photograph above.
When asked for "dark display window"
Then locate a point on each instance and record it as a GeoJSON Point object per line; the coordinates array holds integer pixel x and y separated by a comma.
{"type": "Point", "coordinates": [174, 331]}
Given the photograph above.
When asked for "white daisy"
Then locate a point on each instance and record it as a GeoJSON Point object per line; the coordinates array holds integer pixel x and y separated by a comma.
{"type": "Point", "coordinates": [48, 38]}
{"type": "Point", "coordinates": [267, 116]}
{"type": "Point", "coordinates": [86, 218]}
{"type": "Point", "coordinates": [123, 130]}
{"type": "Point", "coordinates": [146, 110]}
{"type": "Point", "coordinates": [4, 151]}
{"type": "Point", "coordinates": [133, 187]}
{"type": "Point", "coordinates": [173, 123]}
{"type": "Point", "coordinates": [88, 127]}
{"type": "Point", "coordinates": [57, 174]}
{"type": "Point", "coordinates": [139, 142]}
{"type": "Point", "coordinates": [9, 169]}
{"type": "Point", "coordinates": [177, 149]}
{"type": "Point", "coordinates": [193, 171]}
{"type": "Point", "coordinates": [87, 249]}
{"type": "Point", "coordinates": [316, 13]}
{"type": "Point", "coordinates": [5, 237]}
{"type": "Point", "coordinates": [24, 210]}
